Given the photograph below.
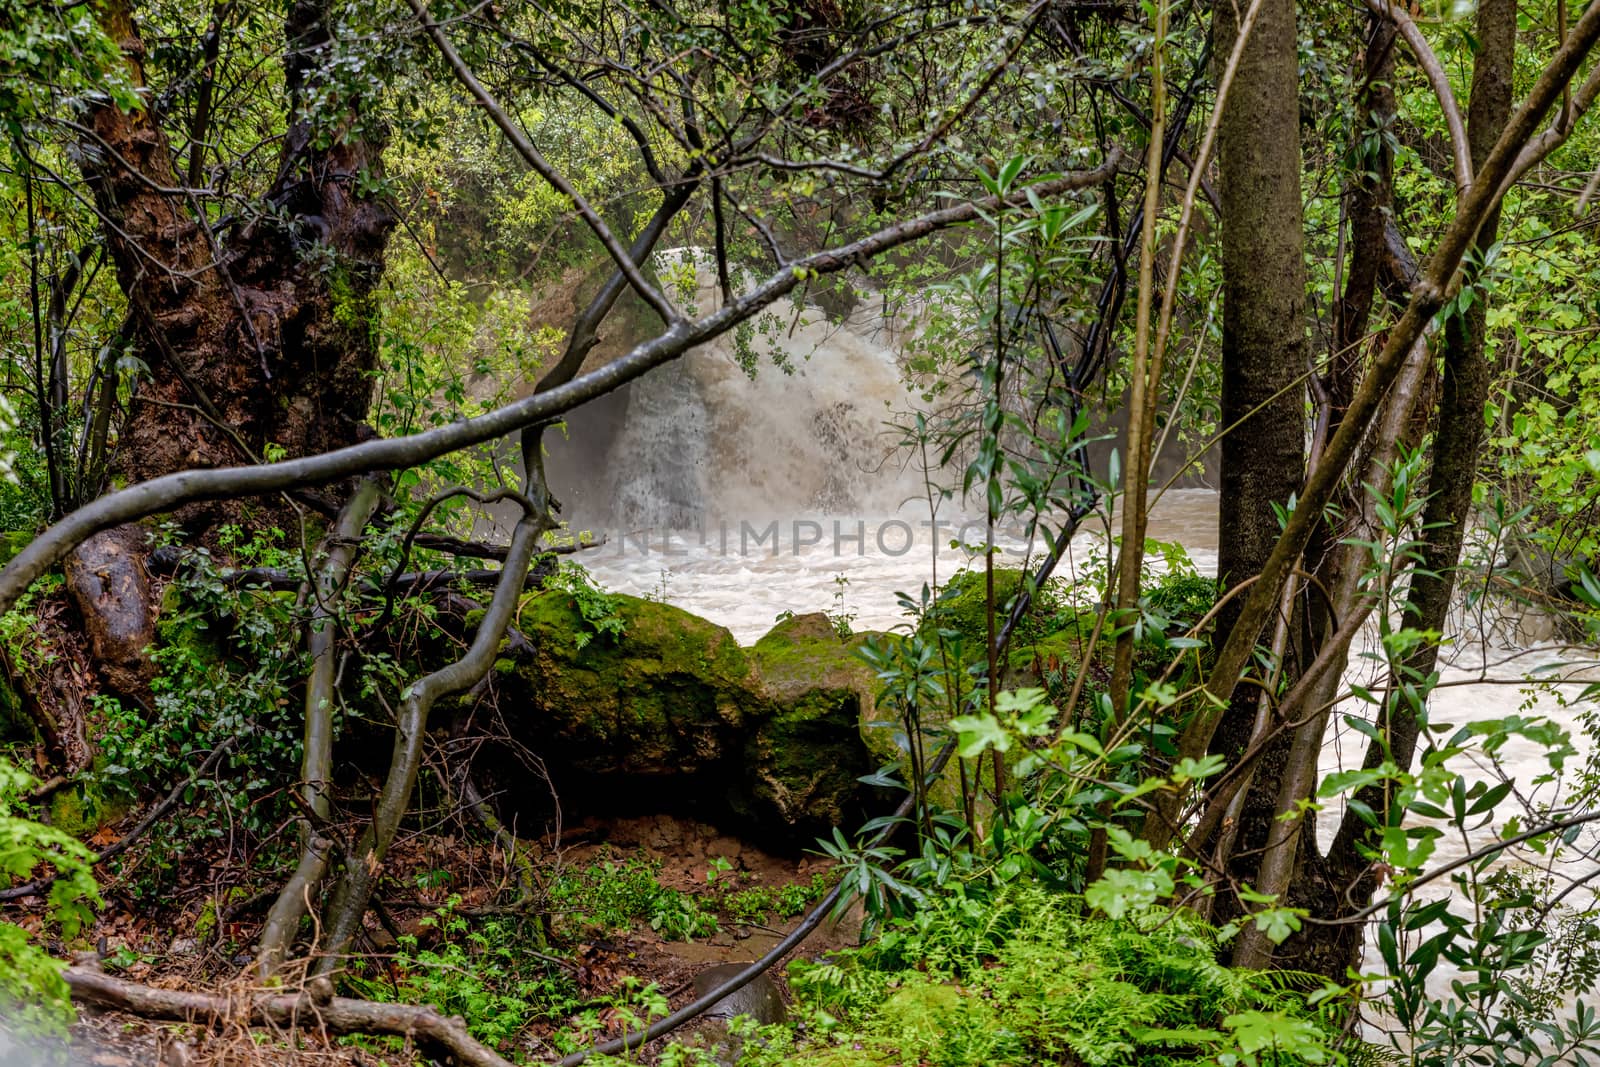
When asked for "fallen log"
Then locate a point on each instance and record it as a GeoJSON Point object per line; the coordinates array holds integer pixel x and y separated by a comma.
{"type": "Point", "coordinates": [435, 1032]}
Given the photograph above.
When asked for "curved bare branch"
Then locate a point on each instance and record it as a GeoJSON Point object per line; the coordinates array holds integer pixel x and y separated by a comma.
{"type": "Point", "coordinates": [1460, 153]}
{"type": "Point", "coordinates": [168, 491]}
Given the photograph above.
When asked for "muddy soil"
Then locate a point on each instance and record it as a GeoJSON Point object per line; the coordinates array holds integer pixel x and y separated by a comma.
{"type": "Point", "coordinates": [162, 949]}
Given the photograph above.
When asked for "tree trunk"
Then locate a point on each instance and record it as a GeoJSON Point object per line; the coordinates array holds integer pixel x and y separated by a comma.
{"type": "Point", "coordinates": [1458, 439]}
{"type": "Point", "coordinates": [1263, 342]}
{"type": "Point", "coordinates": [257, 339]}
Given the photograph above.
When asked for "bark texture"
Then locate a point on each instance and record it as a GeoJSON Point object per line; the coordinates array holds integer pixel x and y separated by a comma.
{"type": "Point", "coordinates": [1263, 340]}
{"type": "Point", "coordinates": [260, 332]}
{"type": "Point", "coordinates": [1458, 439]}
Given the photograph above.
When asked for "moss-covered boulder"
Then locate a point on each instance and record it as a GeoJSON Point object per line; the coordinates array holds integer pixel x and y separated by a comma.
{"type": "Point", "coordinates": [669, 698]}
{"type": "Point", "coordinates": [675, 713]}
{"type": "Point", "coordinates": [804, 760]}
{"type": "Point", "coordinates": [82, 807]}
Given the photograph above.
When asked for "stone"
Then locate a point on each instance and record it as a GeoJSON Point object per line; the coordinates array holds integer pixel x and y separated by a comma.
{"type": "Point", "coordinates": [759, 999]}
{"type": "Point", "coordinates": [675, 711]}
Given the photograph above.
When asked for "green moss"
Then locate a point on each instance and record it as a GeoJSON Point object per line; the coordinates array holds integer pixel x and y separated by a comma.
{"type": "Point", "coordinates": [81, 808]}
{"type": "Point", "coordinates": [665, 699]}
{"type": "Point", "coordinates": [808, 757]}
{"type": "Point", "coordinates": [776, 728]}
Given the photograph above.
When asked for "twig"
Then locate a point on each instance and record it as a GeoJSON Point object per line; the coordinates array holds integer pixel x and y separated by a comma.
{"type": "Point", "coordinates": [354, 890]}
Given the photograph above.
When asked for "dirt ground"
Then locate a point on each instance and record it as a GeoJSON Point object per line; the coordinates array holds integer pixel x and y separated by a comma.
{"type": "Point", "coordinates": [162, 949]}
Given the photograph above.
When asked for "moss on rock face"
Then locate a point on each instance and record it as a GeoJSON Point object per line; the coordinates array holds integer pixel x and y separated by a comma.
{"type": "Point", "coordinates": [82, 807]}
{"type": "Point", "coordinates": [771, 734]}
{"type": "Point", "coordinates": [667, 699]}
{"type": "Point", "coordinates": [806, 759]}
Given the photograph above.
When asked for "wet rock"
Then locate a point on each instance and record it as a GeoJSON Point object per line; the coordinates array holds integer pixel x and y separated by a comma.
{"type": "Point", "coordinates": [805, 760]}
{"type": "Point", "coordinates": [105, 576]}
{"type": "Point", "coordinates": [676, 714]}
{"type": "Point", "coordinates": [664, 700]}
{"type": "Point", "coordinates": [759, 999]}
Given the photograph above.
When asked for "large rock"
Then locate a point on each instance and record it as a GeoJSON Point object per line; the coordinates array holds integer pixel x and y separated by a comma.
{"type": "Point", "coordinates": [804, 759]}
{"type": "Point", "coordinates": [670, 698]}
{"type": "Point", "coordinates": [676, 714]}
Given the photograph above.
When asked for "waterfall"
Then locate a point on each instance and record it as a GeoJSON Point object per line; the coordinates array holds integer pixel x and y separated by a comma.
{"type": "Point", "coordinates": [660, 460]}
{"type": "Point", "coordinates": [702, 440]}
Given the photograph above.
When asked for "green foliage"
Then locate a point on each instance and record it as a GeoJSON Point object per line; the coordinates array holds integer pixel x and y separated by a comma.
{"type": "Point", "coordinates": [601, 612]}
{"type": "Point", "coordinates": [230, 662]}
{"type": "Point", "coordinates": [488, 971]}
{"type": "Point", "coordinates": [33, 996]}
{"type": "Point", "coordinates": [1176, 590]}
{"type": "Point", "coordinates": [614, 894]}
{"type": "Point", "coordinates": [52, 50]}
{"type": "Point", "coordinates": [1030, 976]}
{"type": "Point", "coordinates": [962, 606]}
{"type": "Point", "coordinates": [24, 476]}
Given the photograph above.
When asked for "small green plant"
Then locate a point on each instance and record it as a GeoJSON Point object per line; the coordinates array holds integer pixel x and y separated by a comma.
{"type": "Point", "coordinates": [230, 661]}
{"type": "Point", "coordinates": [483, 971]}
{"type": "Point", "coordinates": [843, 621]}
{"type": "Point", "coordinates": [962, 606]}
{"type": "Point", "coordinates": [1178, 591]}
{"type": "Point", "coordinates": [33, 996]}
{"type": "Point", "coordinates": [613, 895]}
{"type": "Point", "coordinates": [1028, 976]}
{"type": "Point", "coordinates": [600, 611]}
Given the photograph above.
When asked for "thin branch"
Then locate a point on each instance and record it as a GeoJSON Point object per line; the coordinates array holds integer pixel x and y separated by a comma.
{"type": "Point", "coordinates": [316, 764]}
{"type": "Point", "coordinates": [557, 181]}
{"type": "Point", "coordinates": [1460, 153]}
{"type": "Point", "coordinates": [360, 873]}
{"type": "Point", "coordinates": [122, 844]}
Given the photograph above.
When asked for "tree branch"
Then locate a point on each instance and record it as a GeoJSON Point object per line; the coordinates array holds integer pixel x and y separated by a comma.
{"type": "Point", "coordinates": [1460, 155]}
{"type": "Point", "coordinates": [361, 872]}
{"type": "Point", "coordinates": [557, 181]}
{"type": "Point", "coordinates": [168, 491]}
{"type": "Point", "coordinates": [336, 1015]}
{"type": "Point", "coordinates": [1437, 282]}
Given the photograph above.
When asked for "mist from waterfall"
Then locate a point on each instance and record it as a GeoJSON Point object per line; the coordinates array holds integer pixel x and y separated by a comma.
{"type": "Point", "coordinates": [703, 441]}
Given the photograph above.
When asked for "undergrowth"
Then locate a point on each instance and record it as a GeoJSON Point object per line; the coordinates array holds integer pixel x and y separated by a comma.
{"type": "Point", "coordinates": [1030, 976]}
{"type": "Point", "coordinates": [615, 894]}
{"type": "Point", "coordinates": [488, 971]}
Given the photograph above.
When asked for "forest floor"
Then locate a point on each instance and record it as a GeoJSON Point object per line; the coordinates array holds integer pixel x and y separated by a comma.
{"type": "Point", "coordinates": [696, 870]}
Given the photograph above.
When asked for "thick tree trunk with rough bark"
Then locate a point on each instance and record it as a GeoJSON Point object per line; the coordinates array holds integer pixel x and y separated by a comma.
{"type": "Point", "coordinates": [257, 331]}
{"type": "Point", "coordinates": [1263, 341]}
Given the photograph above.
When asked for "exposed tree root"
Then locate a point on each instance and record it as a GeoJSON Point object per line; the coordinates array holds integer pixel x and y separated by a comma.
{"type": "Point", "coordinates": [440, 1034]}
